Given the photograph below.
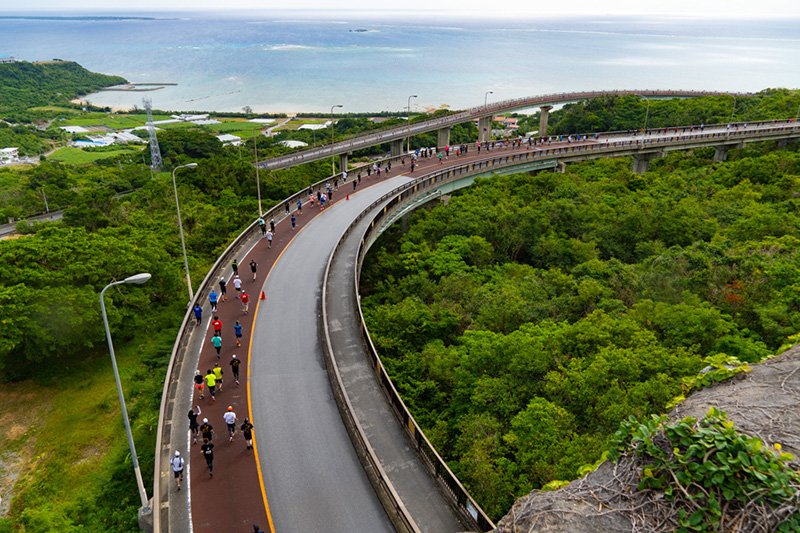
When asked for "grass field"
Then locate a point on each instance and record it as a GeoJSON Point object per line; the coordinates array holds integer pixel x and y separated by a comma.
{"type": "Point", "coordinates": [76, 156]}
{"type": "Point", "coordinates": [113, 121]}
{"type": "Point", "coordinates": [63, 446]}
{"type": "Point", "coordinates": [56, 109]}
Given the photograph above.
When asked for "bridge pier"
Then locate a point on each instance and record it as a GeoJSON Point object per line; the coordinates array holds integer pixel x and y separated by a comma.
{"type": "Point", "coordinates": [443, 137]}
{"type": "Point", "coordinates": [484, 129]}
{"type": "Point", "coordinates": [397, 147]}
{"type": "Point", "coordinates": [343, 162]}
{"type": "Point", "coordinates": [641, 162]}
{"type": "Point", "coordinates": [721, 152]}
{"type": "Point", "coordinates": [544, 116]}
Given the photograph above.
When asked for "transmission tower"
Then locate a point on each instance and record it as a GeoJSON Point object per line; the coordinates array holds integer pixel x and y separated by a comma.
{"type": "Point", "coordinates": [155, 152]}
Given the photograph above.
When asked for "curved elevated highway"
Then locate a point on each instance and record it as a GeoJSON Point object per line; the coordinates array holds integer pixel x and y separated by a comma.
{"type": "Point", "coordinates": [308, 476]}
{"type": "Point", "coordinates": [443, 124]}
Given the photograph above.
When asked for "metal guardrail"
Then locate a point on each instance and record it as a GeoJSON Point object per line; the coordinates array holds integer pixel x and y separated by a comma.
{"type": "Point", "coordinates": [281, 210]}
{"type": "Point", "coordinates": [357, 142]}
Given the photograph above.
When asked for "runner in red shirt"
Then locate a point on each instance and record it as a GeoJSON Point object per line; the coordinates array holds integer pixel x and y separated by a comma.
{"type": "Point", "coordinates": [245, 302]}
{"type": "Point", "coordinates": [217, 325]}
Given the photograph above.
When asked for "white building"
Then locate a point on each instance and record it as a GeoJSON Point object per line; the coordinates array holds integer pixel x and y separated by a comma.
{"type": "Point", "coordinates": [229, 139]}
{"type": "Point", "coordinates": [9, 154]}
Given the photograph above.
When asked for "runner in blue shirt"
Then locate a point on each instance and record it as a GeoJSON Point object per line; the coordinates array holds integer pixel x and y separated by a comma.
{"type": "Point", "coordinates": [212, 298]}
{"type": "Point", "coordinates": [237, 328]}
{"type": "Point", "coordinates": [198, 314]}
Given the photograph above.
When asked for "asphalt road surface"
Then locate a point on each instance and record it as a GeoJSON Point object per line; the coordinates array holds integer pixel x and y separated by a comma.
{"type": "Point", "coordinates": [312, 476]}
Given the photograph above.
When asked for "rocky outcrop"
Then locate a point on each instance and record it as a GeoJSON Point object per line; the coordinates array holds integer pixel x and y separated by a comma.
{"type": "Point", "coordinates": [764, 403]}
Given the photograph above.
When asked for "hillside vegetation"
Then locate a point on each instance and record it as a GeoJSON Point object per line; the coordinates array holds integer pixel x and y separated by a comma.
{"type": "Point", "coordinates": [25, 85]}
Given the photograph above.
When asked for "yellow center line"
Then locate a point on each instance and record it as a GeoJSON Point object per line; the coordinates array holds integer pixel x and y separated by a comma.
{"type": "Point", "coordinates": [249, 402]}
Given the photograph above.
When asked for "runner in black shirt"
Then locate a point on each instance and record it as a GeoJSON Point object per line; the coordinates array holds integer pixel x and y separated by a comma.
{"type": "Point", "coordinates": [208, 453]}
{"type": "Point", "coordinates": [207, 430]}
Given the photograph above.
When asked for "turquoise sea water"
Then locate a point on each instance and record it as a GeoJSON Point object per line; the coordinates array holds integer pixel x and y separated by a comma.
{"type": "Point", "coordinates": [285, 61]}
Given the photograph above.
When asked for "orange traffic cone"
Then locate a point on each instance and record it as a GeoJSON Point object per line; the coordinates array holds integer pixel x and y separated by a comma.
{"type": "Point", "coordinates": [263, 296]}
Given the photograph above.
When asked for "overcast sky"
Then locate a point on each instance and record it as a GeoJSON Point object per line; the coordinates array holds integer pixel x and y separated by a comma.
{"type": "Point", "coordinates": [738, 8]}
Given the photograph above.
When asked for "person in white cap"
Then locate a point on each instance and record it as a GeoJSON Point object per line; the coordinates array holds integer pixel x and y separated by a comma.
{"type": "Point", "coordinates": [177, 468]}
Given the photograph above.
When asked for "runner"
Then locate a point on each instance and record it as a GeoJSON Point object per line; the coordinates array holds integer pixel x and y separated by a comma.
{"type": "Point", "coordinates": [208, 453]}
{"type": "Point", "coordinates": [198, 313]}
{"type": "Point", "coordinates": [177, 468]}
{"type": "Point", "coordinates": [212, 298]}
{"type": "Point", "coordinates": [193, 425]}
{"type": "Point", "coordinates": [272, 225]}
{"type": "Point", "coordinates": [247, 431]}
{"type": "Point", "coordinates": [223, 289]}
{"type": "Point", "coordinates": [199, 383]}
{"type": "Point", "coordinates": [230, 419]}
{"type": "Point", "coordinates": [216, 340]}
{"type": "Point", "coordinates": [253, 264]}
{"type": "Point", "coordinates": [300, 206]}
{"type": "Point", "coordinates": [217, 325]}
{"type": "Point", "coordinates": [245, 302]}
{"type": "Point", "coordinates": [235, 368]}
{"type": "Point", "coordinates": [293, 221]}
{"type": "Point", "coordinates": [237, 330]}
{"type": "Point", "coordinates": [269, 239]}
{"type": "Point", "coordinates": [262, 226]}
{"type": "Point", "coordinates": [211, 381]}
{"type": "Point", "coordinates": [218, 377]}
{"type": "Point", "coordinates": [237, 284]}
{"type": "Point", "coordinates": [235, 267]}
{"type": "Point", "coordinates": [207, 430]}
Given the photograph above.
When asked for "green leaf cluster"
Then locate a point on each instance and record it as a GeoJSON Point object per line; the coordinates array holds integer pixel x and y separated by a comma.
{"type": "Point", "coordinates": [717, 478]}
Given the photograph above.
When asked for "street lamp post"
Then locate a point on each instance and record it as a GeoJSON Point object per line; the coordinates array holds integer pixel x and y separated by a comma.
{"type": "Point", "coordinates": [180, 227]}
{"type": "Point", "coordinates": [408, 127]}
{"type": "Point", "coordinates": [485, 99]}
{"type": "Point", "coordinates": [333, 162]}
{"type": "Point", "coordinates": [646, 113]}
{"type": "Point", "coordinates": [734, 108]}
{"type": "Point", "coordinates": [138, 279]}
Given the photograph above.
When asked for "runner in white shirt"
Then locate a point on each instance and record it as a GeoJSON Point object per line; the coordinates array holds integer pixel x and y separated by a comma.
{"type": "Point", "coordinates": [237, 284]}
{"type": "Point", "coordinates": [230, 419]}
{"type": "Point", "coordinates": [177, 468]}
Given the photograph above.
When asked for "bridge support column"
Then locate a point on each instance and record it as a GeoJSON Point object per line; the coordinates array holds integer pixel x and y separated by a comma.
{"type": "Point", "coordinates": [544, 115]}
{"type": "Point", "coordinates": [484, 129]}
{"type": "Point", "coordinates": [443, 137]}
{"type": "Point", "coordinates": [641, 162]}
{"type": "Point", "coordinates": [342, 162]}
{"type": "Point", "coordinates": [721, 152]}
{"type": "Point", "coordinates": [397, 147]}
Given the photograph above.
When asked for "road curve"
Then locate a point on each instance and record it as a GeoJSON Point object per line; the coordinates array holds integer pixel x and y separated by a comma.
{"type": "Point", "coordinates": [311, 473]}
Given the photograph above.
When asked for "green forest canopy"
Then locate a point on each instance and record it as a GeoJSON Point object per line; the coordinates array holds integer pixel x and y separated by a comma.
{"type": "Point", "coordinates": [528, 317]}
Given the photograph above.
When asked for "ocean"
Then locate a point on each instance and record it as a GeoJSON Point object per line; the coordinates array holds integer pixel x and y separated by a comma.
{"type": "Point", "coordinates": [295, 62]}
